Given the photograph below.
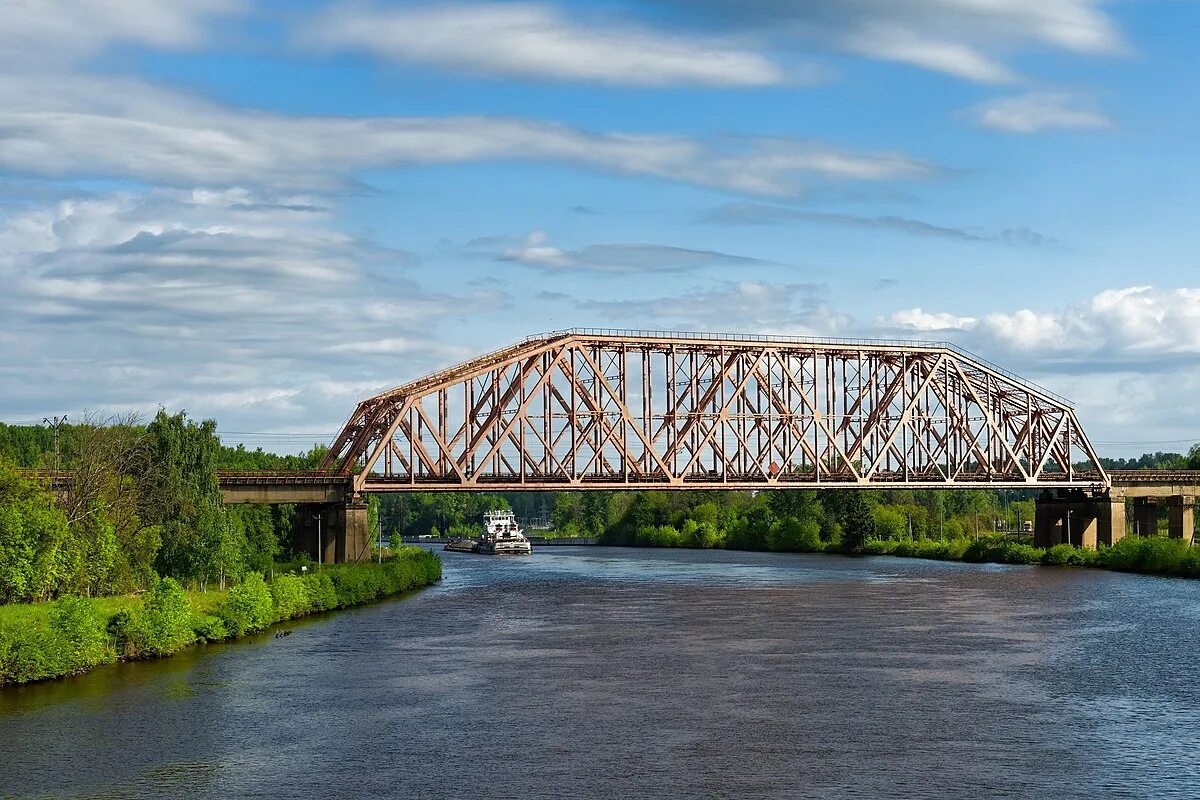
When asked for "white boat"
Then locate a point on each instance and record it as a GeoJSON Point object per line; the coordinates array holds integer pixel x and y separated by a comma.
{"type": "Point", "coordinates": [502, 535]}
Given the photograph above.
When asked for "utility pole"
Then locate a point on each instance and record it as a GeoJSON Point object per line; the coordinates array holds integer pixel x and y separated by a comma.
{"type": "Point", "coordinates": [320, 549]}
{"type": "Point", "coordinates": [55, 423]}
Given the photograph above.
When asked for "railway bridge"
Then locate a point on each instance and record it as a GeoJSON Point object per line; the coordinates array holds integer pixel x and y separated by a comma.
{"type": "Point", "coordinates": [602, 409]}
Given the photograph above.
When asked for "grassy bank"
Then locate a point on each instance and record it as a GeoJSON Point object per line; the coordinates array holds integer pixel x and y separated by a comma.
{"type": "Point", "coordinates": [1145, 555]}
{"type": "Point", "coordinates": [1150, 556]}
{"type": "Point", "coordinates": [74, 634]}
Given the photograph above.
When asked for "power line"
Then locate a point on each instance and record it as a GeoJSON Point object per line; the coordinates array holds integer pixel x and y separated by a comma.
{"type": "Point", "coordinates": [1150, 441]}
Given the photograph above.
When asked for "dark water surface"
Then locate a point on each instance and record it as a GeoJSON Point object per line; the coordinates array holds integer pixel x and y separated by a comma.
{"type": "Point", "coordinates": [611, 673]}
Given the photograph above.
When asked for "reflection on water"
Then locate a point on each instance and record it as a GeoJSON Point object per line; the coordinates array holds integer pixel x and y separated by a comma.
{"type": "Point", "coordinates": [596, 672]}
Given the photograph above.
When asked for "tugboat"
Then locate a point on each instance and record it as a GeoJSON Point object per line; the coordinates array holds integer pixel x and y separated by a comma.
{"type": "Point", "coordinates": [502, 536]}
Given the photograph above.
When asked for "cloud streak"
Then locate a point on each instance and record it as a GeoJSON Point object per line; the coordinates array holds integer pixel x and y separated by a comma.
{"type": "Point", "coordinates": [527, 40]}
{"type": "Point", "coordinates": [1039, 111]}
{"type": "Point", "coordinates": [534, 251]}
{"type": "Point", "coordinates": [758, 214]}
{"type": "Point", "coordinates": [71, 126]}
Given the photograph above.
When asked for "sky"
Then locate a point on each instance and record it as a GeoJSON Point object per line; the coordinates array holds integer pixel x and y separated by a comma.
{"type": "Point", "coordinates": [263, 211]}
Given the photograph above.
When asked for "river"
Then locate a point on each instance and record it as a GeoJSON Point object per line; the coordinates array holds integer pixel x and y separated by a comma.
{"type": "Point", "coordinates": [612, 673]}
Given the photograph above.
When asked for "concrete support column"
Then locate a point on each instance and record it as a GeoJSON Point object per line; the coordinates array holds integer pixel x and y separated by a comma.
{"type": "Point", "coordinates": [353, 541]}
{"type": "Point", "coordinates": [1079, 526]}
{"type": "Point", "coordinates": [306, 533]}
{"type": "Point", "coordinates": [1181, 517]}
{"type": "Point", "coordinates": [1112, 521]}
{"type": "Point", "coordinates": [1145, 517]}
{"type": "Point", "coordinates": [344, 532]}
{"type": "Point", "coordinates": [1047, 523]}
{"type": "Point", "coordinates": [1079, 520]}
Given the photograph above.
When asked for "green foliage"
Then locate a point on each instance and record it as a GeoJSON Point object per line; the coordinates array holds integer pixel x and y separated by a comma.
{"type": "Point", "coordinates": [322, 596]}
{"type": "Point", "coordinates": [796, 535]}
{"type": "Point", "coordinates": [1064, 555]}
{"type": "Point", "coordinates": [182, 480]}
{"type": "Point", "coordinates": [33, 537]}
{"type": "Point", "coordinates": [209, 628]}
{"type": "Point", "coordinates": [80, 633]}
{"type": "Point", "coordinates": [1152, 555]}
{"type": "Point", "coordinates": [164, 624]}
{"type": "Point", "coordinates": [858, 523]}
{"type": "Point", "coordinates": [248, 607]}
{"type": "Point", "coordinates": [290, 597]}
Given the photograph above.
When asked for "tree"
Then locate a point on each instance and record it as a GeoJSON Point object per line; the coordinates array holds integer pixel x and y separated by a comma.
{"type": "Point", "coordinates": [858, 524]}
{"type": "Point", "coordinates": [32, 532]}
{"type": "Point", "coordinates": [183, 497]}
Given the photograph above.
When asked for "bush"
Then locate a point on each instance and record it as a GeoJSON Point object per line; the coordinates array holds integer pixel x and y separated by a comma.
{"type": "Point", "coordinates": [793, 535]}
{"type": "Point", "coordinates": [80, 633]}
{"type": "Point", "coordinates": [164, 624]}
{"type": "Point", "coordinates": [290, 597]}
{"type": "Point", "coordinates": [26, 654]}
{"type": "Point", "coordinates": [248, 607]}
{"type": "Point", "coordinates": [878, 547]}
{"type": "Point", "coordinates": [319, 589]}
{"type": "Point", "coordinates": [1066, 555]}
{"type": "Point", "coordinates": [1153, 555]}
{"type": "Point", "coordinates": [1015, 553]}
{"type": "Point", "coordinates": [209, 628]}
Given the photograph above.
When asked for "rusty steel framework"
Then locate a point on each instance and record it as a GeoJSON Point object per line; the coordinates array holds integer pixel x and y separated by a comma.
{"type": "Point", "coordinates": [603, 409]}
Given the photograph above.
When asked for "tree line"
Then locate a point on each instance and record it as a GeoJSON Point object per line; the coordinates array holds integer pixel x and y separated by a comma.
{"type": "Point", "coordinates": [143, 502]}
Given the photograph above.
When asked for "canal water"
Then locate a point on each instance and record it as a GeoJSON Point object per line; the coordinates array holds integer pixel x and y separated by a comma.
{"type": "Point", "coordinates": [621, 673]}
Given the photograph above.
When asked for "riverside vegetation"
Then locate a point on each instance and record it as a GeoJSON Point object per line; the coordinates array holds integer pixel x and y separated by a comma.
{"type": "Point", "coordinates": [74, 634]}
{"type": "Point", "coordinates": [141, 559]}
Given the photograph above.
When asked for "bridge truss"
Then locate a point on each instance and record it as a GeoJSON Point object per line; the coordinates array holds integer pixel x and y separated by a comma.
{"type": "Point", "coordinates": [592, 409]}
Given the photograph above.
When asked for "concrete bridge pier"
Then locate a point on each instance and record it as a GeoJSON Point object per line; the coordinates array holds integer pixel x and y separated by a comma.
{"type": "Point", "coordinates": [1181, 518]}
{"type": "Point", "coordinates": [1145, 516]}
{"type": "Point", "coordinates": [344, 531]}
{"type": "Point", "coordinates": [1078, 519]}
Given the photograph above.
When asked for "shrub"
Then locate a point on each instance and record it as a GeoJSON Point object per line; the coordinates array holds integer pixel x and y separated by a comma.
{"type": "Point", "coordinates": [26, 654]}
{"type": "Point", "coordinates": [1015, 553]}
{"type": "Point", "coordinates": [209, 628]}
{"type": "Point", "coordinates": [290, 597]}
{"type": "Point", "coordinates": [80, 633]}
{"type": "Point", "coordinates": [164, 625]}
{"type": "Point", "coordinates": [793, 535]}
{"type": "Point", "coordinates": [1066, 555]}
{"type": "Point", "coordinates": [248, 607]}
{"type": "Point", "coordinates": [319, 589]}
{"type": "Point", "coordinates": [878, 547]}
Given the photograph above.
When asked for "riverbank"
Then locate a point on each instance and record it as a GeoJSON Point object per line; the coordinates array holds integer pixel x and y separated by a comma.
{"type": "Point", "coordinates": [74, 634]}
{"type": "Point", "coordinates": [1142, 555]}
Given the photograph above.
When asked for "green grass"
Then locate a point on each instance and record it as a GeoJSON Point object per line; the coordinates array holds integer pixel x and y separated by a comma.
{"type": "Point", "coordinates": [72, 635]}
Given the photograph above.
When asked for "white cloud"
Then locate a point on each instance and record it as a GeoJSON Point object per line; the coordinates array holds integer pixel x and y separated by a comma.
{"type": "Point", "coordinates": [225, 301]}
{"type": "Point", "coordinates": [538, 41]}
{"type": "Point", "coordinates": [533, 251]}
{"type": "Point", "coordinates": [41, 31]}
{"type": "Point", "coordinates": [71, 126]}
{"type": "Point", "coordinates": [898, 43]}
{"type": "Point", "coordinates": [957, 37]}
{"type": "Point", "coordinates": [1135, 325]}
{"type": "Point", "coordinates": [1038, 111]}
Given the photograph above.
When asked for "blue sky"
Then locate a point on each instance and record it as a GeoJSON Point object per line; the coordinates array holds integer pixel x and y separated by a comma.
{"type": "Point", "coordinates": [263, 211]}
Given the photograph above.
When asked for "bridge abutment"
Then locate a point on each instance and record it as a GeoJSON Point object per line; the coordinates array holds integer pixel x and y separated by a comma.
{"type": "Point", "coordinates": [342, 535]}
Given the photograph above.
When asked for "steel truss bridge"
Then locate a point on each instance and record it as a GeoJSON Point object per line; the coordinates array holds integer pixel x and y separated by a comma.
{"type": "Point", "coordinates": [619, 409]}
